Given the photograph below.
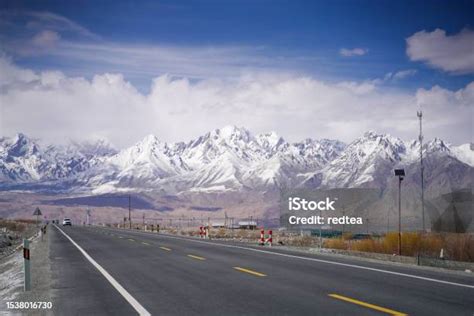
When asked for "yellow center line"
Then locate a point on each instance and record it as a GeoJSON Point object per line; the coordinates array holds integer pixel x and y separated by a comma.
{"type": "Point", "coordinates": [250, 271]}
{"type": "Point", "coordinates": [164, 248]}
{"type": "Point", "coordinates": [196, 257]}
{"type": "Point", "coordinates": [368, 305]}
{"type": "Point", "coordinates": [145, 243]}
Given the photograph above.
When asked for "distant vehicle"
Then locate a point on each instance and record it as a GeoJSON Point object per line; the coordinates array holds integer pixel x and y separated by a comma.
{"type": "Point", "coordinates": [67, 222]}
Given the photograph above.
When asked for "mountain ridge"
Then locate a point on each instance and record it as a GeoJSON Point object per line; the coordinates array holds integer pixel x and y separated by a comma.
{"type": "Point", "coordinates": [230, 158]}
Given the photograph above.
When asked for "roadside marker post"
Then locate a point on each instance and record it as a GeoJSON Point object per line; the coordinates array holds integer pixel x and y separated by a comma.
{"type": "Point", "coordinates": [26, 263]}
{"type": "Point", "coordinates": [265, 241]}
{"type": "Point", "coordinates": [270, 239]}
{"type": "Point", "coordinates": [204, 232]}
{"type": "Point", "coordinates": [262, 237]}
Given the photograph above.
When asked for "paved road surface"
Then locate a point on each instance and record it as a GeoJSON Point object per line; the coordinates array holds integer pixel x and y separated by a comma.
{"type": "Point", "coordinates": [167, 275]}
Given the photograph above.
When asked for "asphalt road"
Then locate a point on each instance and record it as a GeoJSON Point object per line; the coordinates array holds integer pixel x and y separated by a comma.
{"type": "Point", "coordinates": [168, 275]}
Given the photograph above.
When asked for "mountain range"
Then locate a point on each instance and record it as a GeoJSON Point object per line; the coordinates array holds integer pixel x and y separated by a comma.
{"type": "Point", "coordinates": [229, 159]}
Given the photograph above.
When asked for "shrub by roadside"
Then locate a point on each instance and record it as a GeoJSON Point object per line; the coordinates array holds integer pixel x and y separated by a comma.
{"type": "Point", "coordinates": [459, 247]}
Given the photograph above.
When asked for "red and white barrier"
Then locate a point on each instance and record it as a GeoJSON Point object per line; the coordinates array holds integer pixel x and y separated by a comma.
{"type": "Point", "coordinates": [204, 232]}
{"type": "Point", "coordinates": [268, 241]}
{"type": "Point", "coordinates": [262, 237]}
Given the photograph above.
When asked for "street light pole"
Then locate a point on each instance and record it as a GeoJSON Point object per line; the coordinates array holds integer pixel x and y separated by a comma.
{"type": "Point", "coordinates": [400, 216]}
{"type": "Point", "coordinates": [400, 173]}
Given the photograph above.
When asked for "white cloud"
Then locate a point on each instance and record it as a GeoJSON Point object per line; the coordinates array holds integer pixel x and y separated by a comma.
{"type": "Point", "coordinates": [358, 87]}
{"type": "Point", "coordinates": [451, 53]}
{"type": "Point", "coordinates": [46, 39]}
{"type": "Point", "coordinates": [55, 107]}
{"type": "Point", "coordinates": [51, 21]}
{"type": "Point", "coordinates": [402, 74]}
{"type": "Point", "coordinates": [353, 52]}
{"type": "Point", "coordinates": [399, 75]}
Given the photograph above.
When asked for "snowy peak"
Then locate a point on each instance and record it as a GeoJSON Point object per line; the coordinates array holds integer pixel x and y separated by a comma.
{"type": "Point", "coordinates": [230, 158]}
{"type": "Point", "coordinates": [464, 153]}
{"type": "Point", "coordinates": [99, 148]}
{"type": "Point", "coordinates": [232, 133]}
{"type": "Point", "coordinates": [363, 160]}
{"type": "Point", "coordinates": [271, 141]}
{"type": "Point", "coordinates": [20, 145]}
{"type": "Point", "coordinates": [324, 150]}
{"type": "Point", "coordinates": [148, 159]}
{"type": "Point", "coordinates": [436, 145]}
{"type": "Point", "coordinates": [373, 145]}
{"type": "Point", "coordinates": [23, 160]}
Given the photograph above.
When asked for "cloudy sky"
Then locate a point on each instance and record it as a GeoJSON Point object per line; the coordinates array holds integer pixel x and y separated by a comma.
{"type": "Point", "coordinates": [121, 70]}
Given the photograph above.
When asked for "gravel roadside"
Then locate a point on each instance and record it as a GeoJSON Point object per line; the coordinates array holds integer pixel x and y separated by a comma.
{"type": "Point", "coordinates": [11, 278]}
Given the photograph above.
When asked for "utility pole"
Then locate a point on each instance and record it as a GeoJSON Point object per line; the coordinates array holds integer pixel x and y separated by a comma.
{"type": "Point", "coordinates": [420, 137]}
{"type": "Point", "coordinates": [388, 220]}
{"type": "Point", "coordinates": [344, 225]}
{"type": "Point", "coordinates": [320, 230]}
{"type": "Point", "coordinates": [130, 211]}
{"type": "Point", "coordinates": [88, 215]}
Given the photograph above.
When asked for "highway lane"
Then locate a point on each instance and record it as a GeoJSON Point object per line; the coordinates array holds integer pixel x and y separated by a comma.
{"type": "Point", "coordinates": [77, 287]}
{"type": "Point", "coordinates": [179, 276]}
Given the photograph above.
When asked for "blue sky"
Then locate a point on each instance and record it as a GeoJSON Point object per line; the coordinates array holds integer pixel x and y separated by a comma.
{"type": "Point", "coordinates": [402, 53]}
{"type": "Point", "coordinates": [298, 36]}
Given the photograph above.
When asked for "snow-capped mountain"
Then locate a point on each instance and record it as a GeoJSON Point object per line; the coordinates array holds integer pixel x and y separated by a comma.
{"type": "Point", "coordinates": [366, 160]}
{"type": "Point", "coordinates": [24, 160]}
{"type": "Point", "coordinates": [230, 158]}
{"type": "Point", "coordinates": [369, 161]}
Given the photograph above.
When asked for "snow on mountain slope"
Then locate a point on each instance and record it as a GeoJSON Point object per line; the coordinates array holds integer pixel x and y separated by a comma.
{"type": "Point", "coordinates": [366, 160]}
{"type": "Point", "coordinates": [20, 159]}
{"type": "Point", "coordinates": [230, 158]}
{"type": "Point", "coordinates": [464, 153]}
{"type": "Point", "coordinates": [23, 159]}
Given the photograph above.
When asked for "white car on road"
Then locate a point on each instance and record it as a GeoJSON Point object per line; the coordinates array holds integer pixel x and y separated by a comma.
{"type": "Point", "coordinates": [67, 222]}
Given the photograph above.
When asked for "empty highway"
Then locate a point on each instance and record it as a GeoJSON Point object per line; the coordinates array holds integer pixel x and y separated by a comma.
{"type": "Point", "coordinates": [121, 272]}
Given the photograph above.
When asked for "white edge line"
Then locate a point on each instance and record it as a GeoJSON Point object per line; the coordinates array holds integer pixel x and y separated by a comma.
{"type": "Point", "coordinates": [130, 299]}
{"type": "Point", "coordinates": [320, 260]}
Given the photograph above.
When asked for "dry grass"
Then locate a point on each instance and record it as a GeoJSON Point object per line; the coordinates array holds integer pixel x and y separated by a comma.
{"type": "Point", "coordinates": [458, 247]}
{"type": "Point", "coordinates": [302, 241]}
{"type": "Point", "coordinates": [13, 226]}
{"type": "Point", "coordinates": [336, 243]}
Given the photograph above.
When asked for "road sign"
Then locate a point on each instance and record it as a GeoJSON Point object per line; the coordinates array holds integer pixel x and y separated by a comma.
{"type": "Point", "coordinates": [37, 212]}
